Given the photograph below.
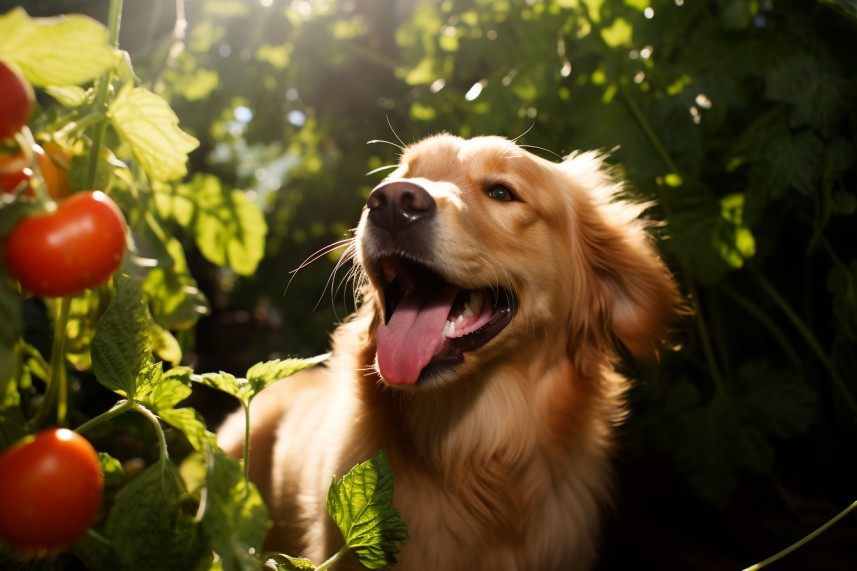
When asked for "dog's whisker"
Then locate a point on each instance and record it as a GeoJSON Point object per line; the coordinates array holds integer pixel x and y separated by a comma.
{"type": "Point", "coordinates": [394, 133]}
{"type": "Point", "coordinates": [530, 128]}
{"type": "Point", "coordinates": [379, 169]}
{"type": "Point", "coordinates": [374, 141]}
{"type": "Point", "coordinates": [346, 255]}
{"type": "Point", "coordinates": [541, 149]}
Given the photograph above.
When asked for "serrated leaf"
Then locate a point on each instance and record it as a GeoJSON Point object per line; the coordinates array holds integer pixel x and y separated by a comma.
{"type": "Point", "coordinates": [191, 423]}
{"type": "Point", "coordinates": [168, 393]}
{"type": "Point", "coordinates": [85, 311]}
{"type": "Point", "coordinates": [70, 96]}
{"type": "Point", "coordinates": [121, 347]}
{"type": "Point", "coordinates": [815, 88]}
{"type": "Point", "coordinates": [60, 51]}
{"type": "Point", "coordinates": [294, 564]}
{"type": "Point", "coordinates": [360, 505]}
{"type": "Point", "coordinates": [262, 375]}
{"type": "Point", "coordinates": [150, 127]}
{"type": "Point", "coordinates": [148, 528]}
{"type": "Point", "coordinates": [235, 518]}
{"type": "Point", "coordinates": [229, 229]}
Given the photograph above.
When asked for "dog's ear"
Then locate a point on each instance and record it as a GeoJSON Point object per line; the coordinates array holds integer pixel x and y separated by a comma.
{"type": "Point", "coordinates": [621, 287]}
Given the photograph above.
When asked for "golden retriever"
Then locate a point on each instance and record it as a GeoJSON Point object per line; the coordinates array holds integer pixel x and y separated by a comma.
{"type": "Point", "coordinates": [494, 286]}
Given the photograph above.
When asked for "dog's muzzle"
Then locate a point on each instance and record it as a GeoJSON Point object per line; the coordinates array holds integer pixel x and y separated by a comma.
{"type": "Point", "coordinates": [400, 205]}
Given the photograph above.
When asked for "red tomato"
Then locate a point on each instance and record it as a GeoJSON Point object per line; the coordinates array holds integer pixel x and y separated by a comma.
{"type": "Point", "coordinates": [50, 490]}
{"type": "Point", "coordinates": [62, 253]}
{"type": "Point", "coordinates": [16, 102]}
{"type": "Point", "coordinates": [15, 168]}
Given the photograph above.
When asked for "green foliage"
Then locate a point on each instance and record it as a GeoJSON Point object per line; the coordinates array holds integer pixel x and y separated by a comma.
{"type": "Point", "coordinates": [360, 505]}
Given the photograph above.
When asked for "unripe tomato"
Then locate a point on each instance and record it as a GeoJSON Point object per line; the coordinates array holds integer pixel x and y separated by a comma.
{"type": "Point", "coordinates": [16, 102]}
{"type": "Point", "coordinates": [15, 168]}
{"type": "Point", "coordinates": [62, 253]}
{"type": "Point", "coordinates": [50, 490]}
{"type": "Point", "coordinates": [61, 157]}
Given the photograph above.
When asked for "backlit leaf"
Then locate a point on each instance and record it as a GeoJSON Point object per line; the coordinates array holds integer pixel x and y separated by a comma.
{"type": "Point", "coordinates": [150, 126]}
{"type": "Point", "coordinates": [59, 51]}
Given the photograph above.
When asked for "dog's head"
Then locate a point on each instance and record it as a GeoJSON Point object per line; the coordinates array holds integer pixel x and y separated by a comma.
{"type": "Point", "coordinates": [477, 249]}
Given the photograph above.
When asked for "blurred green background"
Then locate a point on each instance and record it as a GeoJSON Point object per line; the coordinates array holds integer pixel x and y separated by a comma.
{"type": "Point", "coordinates": [737, 117]}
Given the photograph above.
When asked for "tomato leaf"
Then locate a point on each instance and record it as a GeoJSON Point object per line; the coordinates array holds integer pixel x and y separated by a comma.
{"type": "Point", "coordinates": [235, 518]}
{"type": "Point", "coordinates": [148, 528]}
{"type": "Point", "coordinates": [229, 229]}
{"type": "Point", "coordinates": [164, 345]}
{"type": "Point", "coordinates": [61, 51]}
{"type": "Point", "coordinates": [70, 96]}
{"type": "Point", "coordinates": [294, 564]}
{"type": "Point", "coordinates": [259, 377]}
{"type": "Point", "coordinates": [262, 375]}
{"type": "Point", "coordinates": [121, 347]}
{"type": "Point", "coordinates": [150, 127]}
{"type": "Point", "coordinates": [169, 392]}
{"type": "Point", "coordinates": [112, 470]}
{"type": "Point", "coordinates": [360, 504]}
{"type": "Point", "coordinates": [172, 293]}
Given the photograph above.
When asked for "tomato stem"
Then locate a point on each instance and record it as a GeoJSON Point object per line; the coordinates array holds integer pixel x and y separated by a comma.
{"type": "Point", "coordinates": [157, 423]}
{"type": "Point", "coordinates": [57, 376]}
{"type": "Point", "coordinates": [26, 142]}
{"type": "Point", "coordinates": [333, 559]}
{"type": "Point", "coordinates": [101, 103]}
{"type": "Point", "coordinates": [247, 442]}
{"type": "Point", "coordinates": [118, 409]}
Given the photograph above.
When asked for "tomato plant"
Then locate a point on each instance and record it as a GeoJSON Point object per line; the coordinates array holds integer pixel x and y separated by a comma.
{"type": "Point", "coordinates": [50, 490]}
{"type": "Point", "coordinates": [61, 253]}
{"type": "Point", "coordinates": [14, 169]}
{"type": "Point", "coordinates": [16, 101]}
{"type": "Point", "coordinates": [61, 159]}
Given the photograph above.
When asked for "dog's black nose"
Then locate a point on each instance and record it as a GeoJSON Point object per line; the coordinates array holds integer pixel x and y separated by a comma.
{"type": "Point", "coordinates": [395, 206]}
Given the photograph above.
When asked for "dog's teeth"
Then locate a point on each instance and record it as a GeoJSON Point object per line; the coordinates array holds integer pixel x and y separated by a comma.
{"type": "Point", "coordinates": [451, 331]}
{"type": "Point", "coordinates": [467, 311]}
{"type": "Point", "coordinates": [476, 301]}
{"type": "Point", "coordinates": [446, 328]}
{"type": "Point", "coordinates": [459, 320]}
{"type": "Point", "coordinates": [390, 277]}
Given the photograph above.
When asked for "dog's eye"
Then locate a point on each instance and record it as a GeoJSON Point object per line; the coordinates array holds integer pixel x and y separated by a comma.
{"type": "Point", "coordinates": [500, 192]}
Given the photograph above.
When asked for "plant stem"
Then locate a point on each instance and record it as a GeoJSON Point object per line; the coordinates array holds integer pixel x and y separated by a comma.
{"type": "Point", "coordinates": [810, 338]}
{"type": "Point", "coordinates": [97, 536]}
{"type": "Point", "coordinates": [157, 423]}
{"type": "Point", "coordinates": [118, 409]}
{"type": "Point", "coordinates": [704, 337]}
{"type": "Point", "coordinates": [101, 96]}
{"type": "Point", "coordinates": [802, 541]}
{"type": "Point", "coordinates": [57, 363]}
{"type": "Point", "coordinates": [37, 181]}
{"type": "Point", "coordinates": [247, 441]}
{"type": "Point", "coordinates": [647, 128]}
{"type": "Point", "coordinates": [333, 559]}
{"type": "Point", "coordinates": [81, 125]}
{"type": "Point", "coordinates": [766, 321]}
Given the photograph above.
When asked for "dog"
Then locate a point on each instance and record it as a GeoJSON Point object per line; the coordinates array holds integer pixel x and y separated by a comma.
{"type": "Point", "coordinates": [494, 288]}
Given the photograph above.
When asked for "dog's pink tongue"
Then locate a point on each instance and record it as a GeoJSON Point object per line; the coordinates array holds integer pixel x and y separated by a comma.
{"type": "Point", "coordinates": [409, 342]}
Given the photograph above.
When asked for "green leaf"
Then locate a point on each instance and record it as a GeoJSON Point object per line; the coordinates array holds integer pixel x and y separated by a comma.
{"type": "Point", "coordinates": [172, 293]}
{"type": "Point", "coordinates": [167, 394]}
{"type": "Point", "coordinates": [70, 96]}
{"type": "Point", "coordinates": [96, 555]}
{"type": "Point", "coordinates": [707, 235]}
{"type": "Point", "coordinates": [235, 518]}
{"type": "Point", "coordinates": [112, 469]}
{"type": "Point", "coordinates": [819, 94]}
{"type": "Point", "coordinates": [191, 423]}
{"type": "Point", "coordinates": [360, 505]}
{"type": "Point", "coordinates": [149, 529]}
{"type": "Point", "coordinates": [84, 314]}
{"type": "Point", "coordinates": [78, 174]}
{"type": "Point", "coordinates": [294, 564]}
{"type": "Point", "coordinates": [230, 230]}
{"type": "Point", "coordinates": [165, 346]}
{"type": "Point", "coordinates": [262, 375]}
{"type": "Point", "coordinates": [60, 51]}
{"type": "Point", "coordinates": [121, 347]}
{"type": "Point", "coordinates": [150, 127]}
{"type": "Point", "coordinates": [259, 377]}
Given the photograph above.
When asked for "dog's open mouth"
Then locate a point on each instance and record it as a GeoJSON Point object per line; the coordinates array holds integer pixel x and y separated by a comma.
{"type": "Point", "coordinates": [430, 323]}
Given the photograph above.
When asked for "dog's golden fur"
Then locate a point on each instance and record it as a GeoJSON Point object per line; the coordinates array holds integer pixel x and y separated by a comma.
{"type": "Point", "coordinates": [503, 462]}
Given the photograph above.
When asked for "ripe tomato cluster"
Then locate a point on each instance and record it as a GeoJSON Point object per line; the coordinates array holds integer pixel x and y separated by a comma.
{"type": "Point", "coordinates": [78, 244]}
{"type": "Point", "coordinates": [50, 490]}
